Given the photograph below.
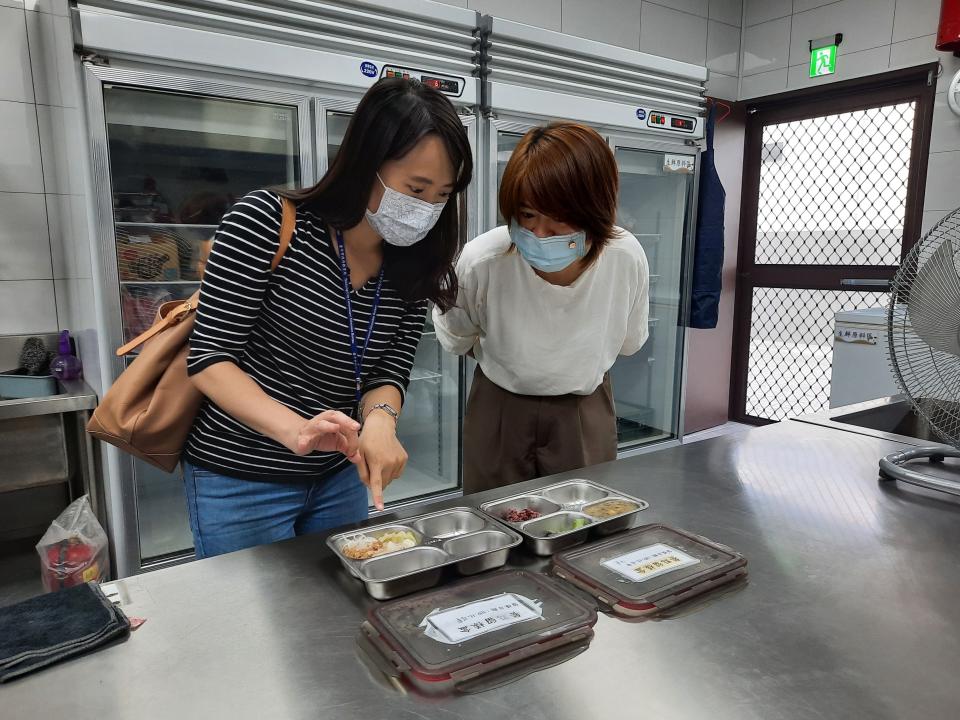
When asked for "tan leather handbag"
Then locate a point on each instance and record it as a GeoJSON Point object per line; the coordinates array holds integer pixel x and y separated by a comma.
{"type": "Point", "coordinates": [150, 409]}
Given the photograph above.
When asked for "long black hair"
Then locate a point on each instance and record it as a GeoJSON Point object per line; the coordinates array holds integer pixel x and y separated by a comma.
{"type": "Point", "coordinates": [393, 116]}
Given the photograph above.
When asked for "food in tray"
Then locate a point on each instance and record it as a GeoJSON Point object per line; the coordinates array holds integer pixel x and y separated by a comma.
{"type": "Point", "coordinates": [610, 508]}
{"type": "Point", "coordinates": [361, 547]}
{"type": "Point", "coordinates": [397, 540]}
{"type": "Point", "coordinates": [575, 525]}
{"type": "Point", "coordinates": [364, 547]}
{"type": "Point", "coordinates": [516, 516]}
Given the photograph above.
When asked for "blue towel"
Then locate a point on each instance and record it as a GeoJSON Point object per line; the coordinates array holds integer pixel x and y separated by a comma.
{"type": "Point", "coordinates": [49, 628]}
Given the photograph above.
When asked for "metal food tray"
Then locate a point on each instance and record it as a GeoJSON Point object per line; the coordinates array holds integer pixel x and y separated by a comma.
{"type": "Point", "coordinates": [460, 536]}
{"type": "Point", "coordinates": [560, 505]}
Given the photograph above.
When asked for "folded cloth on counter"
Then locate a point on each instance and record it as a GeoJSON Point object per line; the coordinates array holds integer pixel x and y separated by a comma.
{"type": "Point", "coordinates": [49, 628]}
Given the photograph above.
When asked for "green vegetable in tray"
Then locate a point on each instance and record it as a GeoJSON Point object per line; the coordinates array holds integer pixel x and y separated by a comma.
{"type": "Point", "coordinates": [580, 522]}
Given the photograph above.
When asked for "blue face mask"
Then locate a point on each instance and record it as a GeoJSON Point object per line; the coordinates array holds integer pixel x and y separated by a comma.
{"type": "Point", "coordinates": [549, 254]}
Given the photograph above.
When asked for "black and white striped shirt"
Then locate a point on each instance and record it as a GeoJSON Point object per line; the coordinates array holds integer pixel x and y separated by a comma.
{"type": "Point", "coordinates": [289, 331]}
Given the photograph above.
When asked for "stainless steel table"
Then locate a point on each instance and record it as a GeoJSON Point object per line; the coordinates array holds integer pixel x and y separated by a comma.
{"type": "Point", "coordinates": [850, 612]}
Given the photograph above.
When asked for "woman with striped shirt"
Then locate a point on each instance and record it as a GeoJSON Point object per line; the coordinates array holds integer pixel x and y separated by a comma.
{"type": "Point", "coordinates": [305, 368]}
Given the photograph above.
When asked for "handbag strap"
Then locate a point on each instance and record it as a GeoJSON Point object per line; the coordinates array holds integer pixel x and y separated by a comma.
{"type": "Point", "coordinates": [287, 226]}
{"type": "Point", "coordinates": [180, 311]}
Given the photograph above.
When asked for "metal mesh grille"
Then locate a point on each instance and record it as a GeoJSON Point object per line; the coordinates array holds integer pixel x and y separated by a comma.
{"type": "Point", "coordinates": [833, 189]}
{"type": "Point", "coordinates": [924, 330]}
{"type": "Point", "coordinates": [791, 348]}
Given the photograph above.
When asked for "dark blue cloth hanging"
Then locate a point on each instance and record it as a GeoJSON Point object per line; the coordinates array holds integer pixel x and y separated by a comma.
{"type": "Point", "coordinates": [708, 250]}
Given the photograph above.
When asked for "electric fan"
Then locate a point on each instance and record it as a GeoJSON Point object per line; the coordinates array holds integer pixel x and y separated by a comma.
{"type": "Point", "coordinates": [923, 323]}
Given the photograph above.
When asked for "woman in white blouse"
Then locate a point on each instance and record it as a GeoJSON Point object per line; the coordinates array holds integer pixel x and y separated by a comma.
{"type": "Point", "coordinates": [545, 305]}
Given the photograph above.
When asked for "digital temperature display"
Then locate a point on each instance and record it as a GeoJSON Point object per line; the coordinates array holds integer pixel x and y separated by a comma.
{"type": "Point", "coordinates": [441, 84]}
{"type": "Point", "coordinates": [675, 123]}
{"type": "Point", "coordinates": [447, 85]}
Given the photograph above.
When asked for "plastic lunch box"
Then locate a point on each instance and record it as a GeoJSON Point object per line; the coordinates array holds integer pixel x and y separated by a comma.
{"type": "Point", "coordinates": [649, 569]}
{"type": "Point", "coordinates": [491, 628]}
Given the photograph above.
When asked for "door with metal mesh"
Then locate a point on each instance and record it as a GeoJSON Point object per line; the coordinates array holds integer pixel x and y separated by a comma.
{"type": "Point", "coordinates": [833, 192]}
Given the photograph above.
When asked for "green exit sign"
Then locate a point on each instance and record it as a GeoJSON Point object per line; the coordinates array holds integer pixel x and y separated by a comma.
{"type": "Point", "coordinates": [823, 61]}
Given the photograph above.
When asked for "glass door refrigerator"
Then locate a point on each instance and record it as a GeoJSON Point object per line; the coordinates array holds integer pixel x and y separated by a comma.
{"type": "Point", "coordinates": [251, 96]}
{"type": "Point", "coordinates": [430, 430]}
{"type": "Point", "coordinates": [650, 110]}
{"type": "Point", "coordinates": [174, 157]}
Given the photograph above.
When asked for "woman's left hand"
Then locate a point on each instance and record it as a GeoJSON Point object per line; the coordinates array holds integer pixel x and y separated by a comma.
{"type": "Point", "coordinates": [382, 457]}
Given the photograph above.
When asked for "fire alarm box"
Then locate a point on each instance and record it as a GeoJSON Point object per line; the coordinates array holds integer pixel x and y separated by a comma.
{"type": "Point", "coordinates": [948, 34]}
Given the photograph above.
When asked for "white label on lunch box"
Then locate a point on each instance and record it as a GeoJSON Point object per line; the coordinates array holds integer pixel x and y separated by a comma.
{"type": "Point", "coordinates": [464, 622]}
{"type": "Point", "coordinates": [649, 562]}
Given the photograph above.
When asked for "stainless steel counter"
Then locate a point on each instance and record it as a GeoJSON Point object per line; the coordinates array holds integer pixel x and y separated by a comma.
{"type": "Point", "coordinates": [850, 612]}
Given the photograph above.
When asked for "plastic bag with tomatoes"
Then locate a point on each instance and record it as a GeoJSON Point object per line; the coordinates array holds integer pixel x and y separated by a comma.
{"type": "Point", "coordinates": [74, 549]}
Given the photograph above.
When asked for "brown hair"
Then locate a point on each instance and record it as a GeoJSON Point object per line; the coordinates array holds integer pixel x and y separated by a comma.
{"type": "Point", "coordinates": [566, 171]}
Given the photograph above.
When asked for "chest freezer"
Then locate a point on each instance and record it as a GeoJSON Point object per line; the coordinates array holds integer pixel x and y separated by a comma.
{"type": "Point", "coordinates": [861, 368]}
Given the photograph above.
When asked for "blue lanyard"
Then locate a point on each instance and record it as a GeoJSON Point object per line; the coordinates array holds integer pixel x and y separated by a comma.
{"type": "Point", "coordinates": [358, 355]}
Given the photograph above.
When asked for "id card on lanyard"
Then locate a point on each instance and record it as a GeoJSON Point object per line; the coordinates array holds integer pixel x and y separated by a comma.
{"type": "Point", "coordinates": [358, 353]}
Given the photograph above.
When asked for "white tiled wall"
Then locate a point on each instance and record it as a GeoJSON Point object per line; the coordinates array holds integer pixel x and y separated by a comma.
{"type": "Point", "coordinates": [878, 35]}
{"type": "Point", "coordinates": [45, 259]}
{"type": "Point", "coordinates": [616, 22]}
{"type": "Point", "coordinates": [27, 300]}
{"type": "Point", "coordinates": [705, 32]}
{"type": "Point", "coordinates": [541, 13]}
{"type": "Point", "coordinates": [672, 33]}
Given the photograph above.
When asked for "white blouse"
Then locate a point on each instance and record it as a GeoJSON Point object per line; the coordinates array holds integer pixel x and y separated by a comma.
{"type": "Point", "coordinates": [534, 338]}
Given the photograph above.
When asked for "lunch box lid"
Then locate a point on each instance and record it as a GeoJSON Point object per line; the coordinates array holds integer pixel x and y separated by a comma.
{"type": "Point", "coordinates": [647, 568]}
{"type": "Point", "coordinates": [464, 629]}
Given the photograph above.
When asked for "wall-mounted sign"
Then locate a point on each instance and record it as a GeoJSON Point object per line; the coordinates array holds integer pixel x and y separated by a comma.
{"type": "Point", "coordinates": [823, 61]}
{"type": "Point", "coordinates": [823, 55]}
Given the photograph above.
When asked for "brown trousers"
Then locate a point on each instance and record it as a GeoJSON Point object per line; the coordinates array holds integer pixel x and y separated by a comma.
{"type": "Point", "coordinates": [510, 438]}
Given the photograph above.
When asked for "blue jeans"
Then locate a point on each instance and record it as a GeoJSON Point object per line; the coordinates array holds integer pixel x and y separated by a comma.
{"type": "Point", "coordinates": [228, 514]}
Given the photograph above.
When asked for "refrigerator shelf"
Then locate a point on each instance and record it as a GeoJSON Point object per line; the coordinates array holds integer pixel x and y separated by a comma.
{"type": "Point", "coordinates": [127, 283]}
{"type": "Point", "coordinates": [421, 374]}
{"type": "Point", "coordinates": [168, 226]}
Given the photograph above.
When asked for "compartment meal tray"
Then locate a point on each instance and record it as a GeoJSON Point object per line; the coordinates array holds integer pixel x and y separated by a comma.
{"type": "Point", "coordinates": [649, 569]}
{"type": "Point", "coordinates": [567, 513]}
{"type": "Point", "coordinates": [461, 537]}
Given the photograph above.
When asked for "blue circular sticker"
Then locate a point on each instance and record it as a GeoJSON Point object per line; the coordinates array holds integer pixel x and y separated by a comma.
{"type": "Point", "coordinates": [641, 114]}
{"type": "Point", "coordinates": [368, 69]}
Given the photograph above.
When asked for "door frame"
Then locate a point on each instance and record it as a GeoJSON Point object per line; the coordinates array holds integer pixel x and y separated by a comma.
{"type": "Point", "coordinates": [916, 84]}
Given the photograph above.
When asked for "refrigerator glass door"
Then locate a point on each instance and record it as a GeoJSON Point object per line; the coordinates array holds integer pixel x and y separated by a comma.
{"type": "Point", "coordinates": [506, 143]}
{"type": "Point", "coordinates": [654, 206]}
{"type": "Point", "coordinates": [177, 162]}
{"type": "Point", "coordinates": [430, 426]}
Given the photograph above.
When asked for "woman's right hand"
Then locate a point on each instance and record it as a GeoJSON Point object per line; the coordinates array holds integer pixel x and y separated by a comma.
{"type": "Point", "coordinates": [330, 431]}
